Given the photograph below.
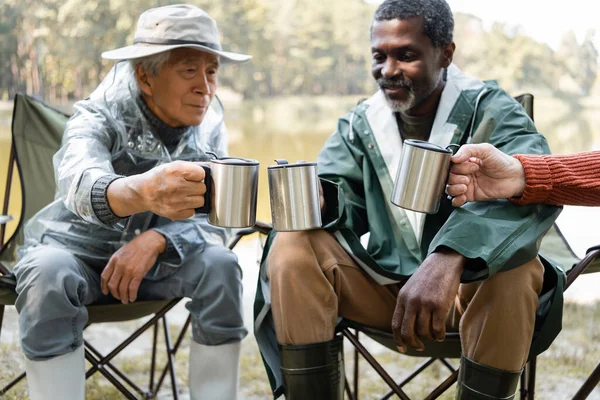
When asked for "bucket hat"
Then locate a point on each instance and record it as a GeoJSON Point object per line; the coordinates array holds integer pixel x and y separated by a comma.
{"type": "Point", "coordinates": [170, 27]}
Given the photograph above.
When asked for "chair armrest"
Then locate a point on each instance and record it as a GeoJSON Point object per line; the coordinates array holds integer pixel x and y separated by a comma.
{"type": "Point", "coordinates": [260, 227]}
{"type": "Point", "coordinates": [597, 247]}
{"type": "Point", "coordinates": [4, 219]}
{"type": "Point", "coordinates": [263, 227]}
{"type": "Point", "coordinates": [593, 254]}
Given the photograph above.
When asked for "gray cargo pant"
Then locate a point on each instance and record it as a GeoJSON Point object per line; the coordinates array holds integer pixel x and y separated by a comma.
{"type": "Point", "coordinates": [54, 287]}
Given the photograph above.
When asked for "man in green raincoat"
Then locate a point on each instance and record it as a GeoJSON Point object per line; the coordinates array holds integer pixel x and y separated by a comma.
{"type": "Point", "coordinates": [473, 269]}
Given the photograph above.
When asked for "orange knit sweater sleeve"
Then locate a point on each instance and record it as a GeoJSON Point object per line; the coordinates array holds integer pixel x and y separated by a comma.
{"type": "Point", "coordinates": [561, 179]}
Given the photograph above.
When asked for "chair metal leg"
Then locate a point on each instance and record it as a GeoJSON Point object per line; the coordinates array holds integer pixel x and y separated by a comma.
{"type": "Point", "coordinates": [376, 366]}
{"type": "Point", "coordinates": [99, 368]}
{"type": "Point", "coordinates": [527, 391]}
{"type": "Point", "coordinates": [396, 388]}
{"type": "Point", "coordinates": [356, 367]}
{"type": "Point", "coordinates": [348, 391]}
{"type": "Point", "coordinates": [170, 359]}
{"type": "Point", "coordinates": [153, 359]}
{"type": "Point", "coordinates": [1, 318]}
{"type": "Point", "coordinates": [448, 364]}
{"type": "Point", "coordinates": [103, 364]}
{"type": "Point", "coordinates": [12, 383]}
{"type": "Point", "coordinates": [417, 371]}
{"type": "Point", "coordinates": [531, 378]}
{"type": "Point", "coordinates": [409, 378]}
{"type": "Point", "coordinates": [136, 334]}
{"type": "Point", "coordinates": [523, 385]}
{"type": "Point", "coordinates": [590, 384]}
{"type": "Point", "coordinates": [175, 348]}
{"type": "Point", "coordinates": [441, 389]}
{"type": "Point", "coordinates": [97, 360]}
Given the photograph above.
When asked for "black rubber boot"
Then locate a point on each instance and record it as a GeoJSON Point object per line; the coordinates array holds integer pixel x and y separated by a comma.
{"type": "Point", "coordinates": [480, 382]}
{"type": "Point", "coordinates": [313, 371]}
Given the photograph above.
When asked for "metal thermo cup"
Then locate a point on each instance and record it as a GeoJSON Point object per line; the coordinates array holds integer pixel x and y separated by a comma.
{"type": "Point", "coordinates": [231, 192]}
{"type": "Point", "coordinates": [422, 176]}
{"type": "Point", "coordinates": [294, 193]}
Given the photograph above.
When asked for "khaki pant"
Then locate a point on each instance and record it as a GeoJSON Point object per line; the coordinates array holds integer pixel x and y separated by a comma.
{"type": "Point", "coordinates": [313, 281]}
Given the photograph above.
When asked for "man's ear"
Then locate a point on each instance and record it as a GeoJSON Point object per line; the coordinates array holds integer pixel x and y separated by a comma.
{"type": "Point", "coordinates": [142, 80]}
{"type": "Point", "coordinates": [447, 55]}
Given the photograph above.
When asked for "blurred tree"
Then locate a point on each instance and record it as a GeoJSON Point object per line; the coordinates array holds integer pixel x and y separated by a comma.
{"type": "Point", "coordinates": [300, 47]}
{"type": "Point", "coordinates": [10, 22]}
{"type": "Point", "coordinates": [580, 61]}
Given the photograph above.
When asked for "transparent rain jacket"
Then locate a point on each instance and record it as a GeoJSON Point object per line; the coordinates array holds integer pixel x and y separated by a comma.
{"type": "Point", "coordinates": [109, 135]}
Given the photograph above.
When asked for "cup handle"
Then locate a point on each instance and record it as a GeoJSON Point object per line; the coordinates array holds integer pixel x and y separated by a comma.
{"type": "Point", "coordinates": [208, 181]}
{"type": "Point", "coordinates": [453, 148]}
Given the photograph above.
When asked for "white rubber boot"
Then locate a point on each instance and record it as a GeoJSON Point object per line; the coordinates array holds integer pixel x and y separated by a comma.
{"type": "Point", "coordinates": [60, 378]}
{"type": "Point", "coordinates": [214, 371]}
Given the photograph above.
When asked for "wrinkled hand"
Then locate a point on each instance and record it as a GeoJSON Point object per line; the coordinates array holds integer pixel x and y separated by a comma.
{"type": "Point", "coordinates": [170, 190]}
{"type": "Point", "coordinates": [482, 172]}
{"type": "Point", "coordinates": [128, 266]}
{"type": "Point", "coordinates": [175, 189]}
{"type": "Point", "coordinates": [424, 301]}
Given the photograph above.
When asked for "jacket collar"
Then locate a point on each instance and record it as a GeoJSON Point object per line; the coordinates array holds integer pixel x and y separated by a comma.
{"type": "Point", "coordinates": [454, 111]}
{"type": "Point", "coordinates": [452, 118]}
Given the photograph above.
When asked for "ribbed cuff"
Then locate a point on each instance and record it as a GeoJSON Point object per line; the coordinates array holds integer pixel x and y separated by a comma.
{"type": "Point", "coordinates": [538, 179]}
{"type": "Point", "coordinates": [100, 202]}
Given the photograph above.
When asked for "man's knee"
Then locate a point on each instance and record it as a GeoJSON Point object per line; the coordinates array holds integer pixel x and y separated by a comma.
{"type": "Point", "coordinates": [525, 278]}
{"type": "Point", "coordinates": [47, 269]}
{"type": "Point", "coordinates": [517, 288]}
{"type": "Point", "coordinates": [51, 294]}
{"type": "Point", "coordinates": [291, 256]}
{"type": "Point", "coordinates": [221, 264]}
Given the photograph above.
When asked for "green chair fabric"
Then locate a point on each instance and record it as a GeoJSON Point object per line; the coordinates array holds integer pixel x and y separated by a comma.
{"type": "Point", "coordinates": [37, 133]}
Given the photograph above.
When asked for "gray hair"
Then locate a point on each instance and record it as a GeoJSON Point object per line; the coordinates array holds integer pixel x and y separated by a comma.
{"type": "Point", "coordinates": [438, 22]}
{"type": "Point", "coordinates": [152, 64]}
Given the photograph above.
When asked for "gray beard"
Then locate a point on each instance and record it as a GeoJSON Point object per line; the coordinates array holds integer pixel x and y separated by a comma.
{"type": "Point", "coordinates": [412, 101]}
{"type": "Point", "coordinates": [402, 106]}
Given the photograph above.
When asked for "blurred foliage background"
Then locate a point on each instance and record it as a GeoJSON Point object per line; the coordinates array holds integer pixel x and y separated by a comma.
{"type": "Point", "coordinates": [311, 47]}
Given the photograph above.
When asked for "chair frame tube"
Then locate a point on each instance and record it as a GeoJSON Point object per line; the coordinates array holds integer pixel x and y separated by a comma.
{"type": "Point", "coordinates": [9, 175]}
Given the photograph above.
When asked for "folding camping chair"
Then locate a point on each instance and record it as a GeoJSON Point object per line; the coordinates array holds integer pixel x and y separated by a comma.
{"type": "Point", "coordinates": [36, 135]}
{"type": "Point", "coordinates": [450, 347]}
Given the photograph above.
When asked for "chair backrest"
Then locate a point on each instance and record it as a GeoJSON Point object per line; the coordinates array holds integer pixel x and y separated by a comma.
{"type": "Point", "coordinates": [37, 130]}
{"type": "Point", "coordinates": [526, 100]}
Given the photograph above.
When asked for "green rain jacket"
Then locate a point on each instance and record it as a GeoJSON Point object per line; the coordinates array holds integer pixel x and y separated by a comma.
{"type": "Point", "coordinates": [357, 166]}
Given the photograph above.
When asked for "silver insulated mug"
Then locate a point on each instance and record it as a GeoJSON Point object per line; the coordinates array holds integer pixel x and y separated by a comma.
{"type": "Point", "coordinates": [231, 192]}
{"type": "Point", "coordinates": [422, 176]}
{"type": "Point", "coordinates": [294, 193]}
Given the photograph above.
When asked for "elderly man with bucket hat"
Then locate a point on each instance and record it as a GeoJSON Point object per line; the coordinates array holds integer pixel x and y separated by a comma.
{"type": "Point", "coordinates": [123, 224]}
